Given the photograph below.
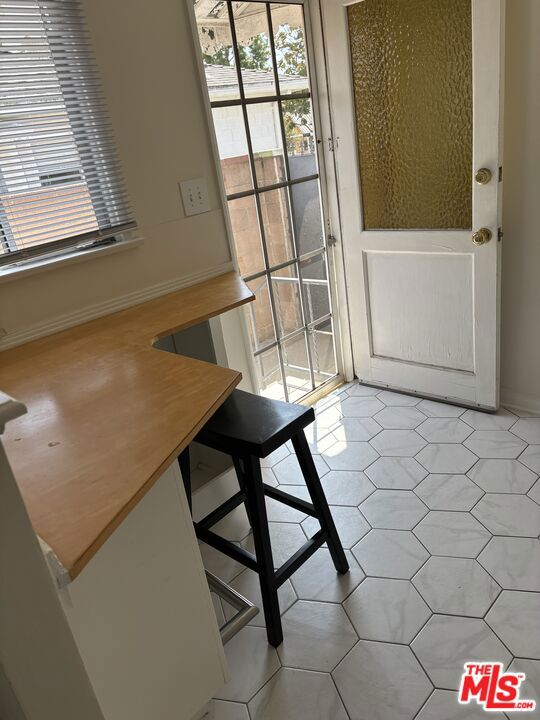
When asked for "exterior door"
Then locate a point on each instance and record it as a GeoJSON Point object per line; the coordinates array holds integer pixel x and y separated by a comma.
{"type": "Point", "coordinates": [415, 95]}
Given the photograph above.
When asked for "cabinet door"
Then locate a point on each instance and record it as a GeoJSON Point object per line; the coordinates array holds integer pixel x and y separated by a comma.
{"type": "Point", "coordinates": [142, 615]}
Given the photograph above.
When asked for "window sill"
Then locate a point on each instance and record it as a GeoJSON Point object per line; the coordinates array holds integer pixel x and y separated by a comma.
{"type": "Point", "coordinates": [25, 268]}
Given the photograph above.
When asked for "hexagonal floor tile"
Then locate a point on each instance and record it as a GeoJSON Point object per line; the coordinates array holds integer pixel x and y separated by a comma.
{"type": "Point", "coordinates": [528, 429]}
{"type": "Point", "coordinates": [393, 509]}
{"type": "Point", "coordinates": [279, 512]}
{"type": "Point", "coordinates": [396, 473]}
{"type": "Point", "coordinates": [225, 710]}
{"type": "Point", "coordinates": [365, 390]}
{"type": "Point", "coordinates": [350, 456]}
{"type": "Point", "coordinates": [381, 681]}
{"type": "Point", "coordinates": [219, 564]}
{"type": "Point", "coordinates": [252, 662]}
{"type": "Point", "coordinates": [534, 492]}
{"type": "Point", "coordinates": [446, 458]}
{"type": "Point", "coordinates": [394, 399]}
{"type": "Point", "coordinates": [443, 705]}
{"type": "Point", "coordinates": [505, 514]}
{"type": "Point", "coordinates": [319, 439]}
{"type": "Point", "coordinates": [513, 562]}
{"type": "Point", "coordinates": [444, 430]}
{"type": "Point", "coordinates": [356, 429]}
{"type": "Point", "coordinates": [285, 538]}
{"type": "Point", "coordinates": [399, 418]}
{"type": "Point", "coordinates": [350, 524]}
{"type": "Point", "coordinates": [531, 458]}
{"type": "Point", "coordinates": [386, 610]}
{"type": "Point", "coordinates": [502, 476]}
{"type": "Point", "coordinates": [288, 472]}
{"type": "Point", "coordinates": [390, 553]}
{"type": "Point", "coordinates": [328, 417]}
{"type": "Point", "coordinates": [446, 643]}
{"type": "Point", "coordinates": [515, 617]}
{"type": "Point", "coordinates": [454, 534]}
{"type": "Point", "coordinates": [501, 420]}
{"type": "Point", "coordinates": [398, 443]}
{"type": "Point", "coordinates": [316, 636]}
{"type": "Point", "coordinates": [318, 579]}
{"type": "Point", "coordinates": [275, 457]}
{"type": "Point", "coordinates": [530, 689]}
{"type": "Point", "coordinates": [495, 444]}
{"type": "Point", "coordinates": [431, 408]}
{"type": "Point", "coordinates": [247, 584]}
{"type": "Point", "coordinates": [448, 492]}
{"type": "Point", "coordinates": [358, 406]}
{"type": "Point", "coordinates": [300, 695]}
{"type": "Point", "coordinates": [456, 586]}
{"type": "Point", "coordinates": [344, 487]}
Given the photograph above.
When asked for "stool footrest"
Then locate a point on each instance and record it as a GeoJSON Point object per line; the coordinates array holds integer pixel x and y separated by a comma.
{"type": "Point", "coordinates": [290, 500]}
{"type": "Point", "coordinates": [222, 511]}
{"type": "Point", "coordinates": [227, 547]}
{"type": "Point", "coordinates": [299, 557]}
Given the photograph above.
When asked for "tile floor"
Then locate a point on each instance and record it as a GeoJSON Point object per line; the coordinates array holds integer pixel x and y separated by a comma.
{"type": "Point", "coordinates": [439, 510]}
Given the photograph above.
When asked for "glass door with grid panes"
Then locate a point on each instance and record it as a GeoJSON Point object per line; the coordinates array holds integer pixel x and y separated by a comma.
{"type": "Point", "coordinates": [257, 73]}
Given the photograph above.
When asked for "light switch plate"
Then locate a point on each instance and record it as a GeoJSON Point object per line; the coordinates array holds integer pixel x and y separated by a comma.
{"type": "Point", "coordinates": [195, 196]}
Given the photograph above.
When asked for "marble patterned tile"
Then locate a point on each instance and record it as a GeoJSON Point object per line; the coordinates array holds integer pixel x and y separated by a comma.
{"type": "Point", "coordinates": [328, 417]}
{"type": "Point", "coordinates": [349, 521]}
{"type": "Point", "coordinates": [399, 418]}
{"type": "Point", "coordinates": [445, 643]}
{"type": "Point", "coordinates": [381, 681]}
{"type": "Point", "coordinates": [393, 509]}
{"type": "Point", "coordinates": [279, 512]}
{"type": "Point", "coordinates": [268, 476]}
{"type": "Point", "coordinates": [252, 662]}
{"type": "Point", "coordinates": [247, 584]}
{"type": "Point", "coordinates": [501, 420]}
{"type": "Point", "coordinates": [495, 444]}
{"type": "Point", "coordinates": [364, 390]}
{"type": "Point", "coordinates": [316, 636]}
{"type": "Point", "coordinates": [219, 564]}
{"type": "Point", "coordinates": [432, 408]}
{"type": "Point", "coordinates": [318, 579]}
{"type": "Point", "coordinates": [275, 457]}
{"type": "Point", "coordinates": [530, 690]}
{"type": "Point", "coordinates": [513, 562]}
{"type": "Point", "coordinates": [506, 514]}
{"type": "Point", "coordinates": [355, 456]}
{"type": "Point", "coordinates": [443, 705]}
{"type": "Point", "coordinates": [285, 539]}
{"type": "Point", "coordinates": [386, 610]}
{"type": "Point", "coordinates": [448, 492]}
{"type": "Point", "coordinates": [288, 472]}
{"type": "Point", "coordinates": [528, 429]}
{"type": "Point", "coordinates": [453, 534]}
{"type": "Point", "coordinates": [398, 443]}
{"type": "Point", "coordinates": [446, 458]}
{"type": "Point", "coordinates": [395, 399]}
{"type": "Point", "coordinates": [390, 553]}
{"type": "Point", "coordinates": [356, 429]}
{"type": "Point", "coordinates": [502, 476]}
{"type": "Point", "coordinates": [235, 526]}
{"type": "Point", "coordinates": [534, 492]}
{"type": "Point", "coordinates": [531, 458]}
{"type": "Point", "coordinates": [391, 473]}
{"type": "Point", "coordinates": [456, 586]}
{"type": "Point", "coordinates": [344, 487]}
{"type": "Point", "coordinates": [298, 694]}
{"type": "Point", "coordinates": [515, 617]}
{"type": "Point", "coordinates": [318, 439]}
{"type": "Point", "coordinates": [444, 430]}
{"type": "Point", "coordinates": [358, 406]}
{"type": "Point", "coordinates": [225, 710]}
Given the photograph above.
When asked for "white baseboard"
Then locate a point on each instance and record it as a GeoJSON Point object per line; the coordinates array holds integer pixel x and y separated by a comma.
{"type": "Point", "coordinates": [67, 320]}
{"type": "Point", "coordinates": [522, 402]}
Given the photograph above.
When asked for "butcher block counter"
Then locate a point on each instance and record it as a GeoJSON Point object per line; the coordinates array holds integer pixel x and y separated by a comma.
{"type": "Point", "coordinates": [107, 413]}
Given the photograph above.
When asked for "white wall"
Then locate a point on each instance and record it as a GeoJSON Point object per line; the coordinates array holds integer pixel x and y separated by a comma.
{"type": "Point", "coordinates": [145, 55]}
{"type": "Point", "coordinates": [520, 351]}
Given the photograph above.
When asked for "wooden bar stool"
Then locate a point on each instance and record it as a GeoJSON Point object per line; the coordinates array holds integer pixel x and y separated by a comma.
{"type": "Point", "coordinates": [249, 427]}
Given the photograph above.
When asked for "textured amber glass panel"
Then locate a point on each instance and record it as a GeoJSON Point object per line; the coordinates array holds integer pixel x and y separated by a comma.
{"type": "Point", "coordinates": [412, 77]}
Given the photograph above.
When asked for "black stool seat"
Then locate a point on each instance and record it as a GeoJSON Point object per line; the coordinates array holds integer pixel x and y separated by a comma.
{"type": "Point", "coordinates": [248, 424]}
{"type": "Point", "coordinates": [249, 427]}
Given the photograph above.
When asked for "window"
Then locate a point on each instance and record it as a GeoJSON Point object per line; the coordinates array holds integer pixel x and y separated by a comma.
{"type": "Point", "coordinates": [60, 184]}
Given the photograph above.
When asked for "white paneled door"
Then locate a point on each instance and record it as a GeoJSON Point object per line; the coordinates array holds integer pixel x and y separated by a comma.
{"type": "Point", "coordinates": [415, 93]}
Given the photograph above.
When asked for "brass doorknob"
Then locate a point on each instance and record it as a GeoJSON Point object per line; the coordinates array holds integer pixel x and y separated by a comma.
{"type": "Point", "coordinates": [482, 236]}
{"type": "Point", "coordinates": [483, 176]}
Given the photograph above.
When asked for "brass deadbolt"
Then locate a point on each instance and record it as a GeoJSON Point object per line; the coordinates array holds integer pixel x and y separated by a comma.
{"type": "Point", "coordinates": [482, 236]}
{"type": "Point", "coordinates": [483, 176]}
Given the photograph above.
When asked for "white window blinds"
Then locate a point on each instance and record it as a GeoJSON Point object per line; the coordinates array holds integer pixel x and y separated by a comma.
{"type": "Point", "coordinates": [60, 183]}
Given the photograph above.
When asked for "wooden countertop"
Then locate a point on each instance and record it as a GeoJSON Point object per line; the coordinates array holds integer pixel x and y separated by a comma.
{"type": "Point", "coordinates": [107, 413]}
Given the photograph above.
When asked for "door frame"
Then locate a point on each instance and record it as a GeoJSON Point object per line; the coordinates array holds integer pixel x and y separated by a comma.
{"type": "Point", "coordinates": [486, 121]}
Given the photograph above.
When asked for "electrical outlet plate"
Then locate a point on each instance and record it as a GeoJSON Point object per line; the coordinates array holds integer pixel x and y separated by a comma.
{"type": "Point", "coordinates": [194, 196]}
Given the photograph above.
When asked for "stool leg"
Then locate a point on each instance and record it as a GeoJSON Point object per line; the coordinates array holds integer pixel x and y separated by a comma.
{"type": "Point", "coordinates": [263, 549]}
{"type": "Point", "coordinates": [240, 474]}
{"type": "Point", "coordinates": [185, 469]}
{"type": "Point", "coordinates": [318, 498]}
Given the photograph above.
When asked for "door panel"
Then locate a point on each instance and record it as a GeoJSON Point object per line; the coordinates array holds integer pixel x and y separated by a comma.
{"type": "Point", "coordinates": [414, 88]}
